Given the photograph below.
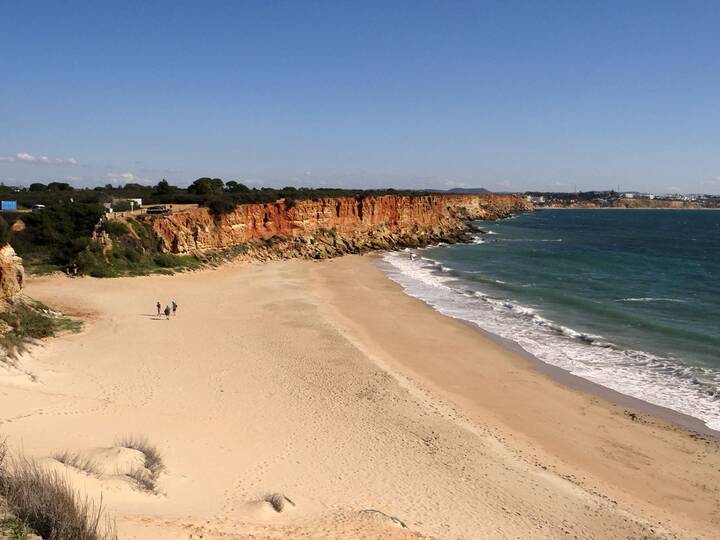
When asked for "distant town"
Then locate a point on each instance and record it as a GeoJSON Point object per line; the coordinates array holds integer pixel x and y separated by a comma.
{"type": "Point", "coordinates": [617, 199]}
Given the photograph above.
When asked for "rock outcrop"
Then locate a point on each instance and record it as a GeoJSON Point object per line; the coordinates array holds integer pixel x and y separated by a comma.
{"type": "Point", "coordinates": [12, 273]}
{"type": "Point", "coordinates": [332, 226]}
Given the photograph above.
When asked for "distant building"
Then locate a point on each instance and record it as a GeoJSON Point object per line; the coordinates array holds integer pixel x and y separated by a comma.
{"type": "Point", "coordinates": [536, 200]}
{"type": "Point", "coordinates": [131, 204]}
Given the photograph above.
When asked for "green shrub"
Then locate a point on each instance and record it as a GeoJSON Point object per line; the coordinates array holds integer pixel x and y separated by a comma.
{"type": "Point", "coordinates": [166, 260]}
{"type": "Point", "coordinates": [220, 206]}
{"type": "Point", "coordinates": [58, 234]}
{"type": "Point", "coordinates": [115, 228]}
{"type": "Point", "coordinates": [13, 529]}
{"type": "Point", "coordinates": [147, 238]}
{"type": "Point", "coordinates": [92, 263]}
{"type": "Point", "coordinates": [132, 254]}
{"type": "Point", "coordinates": [28, 322]}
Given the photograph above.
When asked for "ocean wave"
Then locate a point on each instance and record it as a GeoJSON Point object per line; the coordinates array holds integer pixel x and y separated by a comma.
{"type": "Point", "coordinates": [649, 299]}
{"type": "Point", "coordinates": [664, 381]}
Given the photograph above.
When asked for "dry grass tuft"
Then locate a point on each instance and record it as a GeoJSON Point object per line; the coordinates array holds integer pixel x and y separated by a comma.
{"type": "Point", "coordinates": [277, 501]}
{"type": "Point", "coordinates": [76, 461]}
{"type": "Point", "coordinates": [395, 520]}
{"type": "Point", "coordinates": [145, 477]}
{"type": "Point", "coordinates": [46, 502]}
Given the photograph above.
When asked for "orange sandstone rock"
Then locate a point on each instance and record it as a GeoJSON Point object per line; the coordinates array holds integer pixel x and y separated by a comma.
{"type": "Point", "coordinates": [332, 226]}
{"type": "Point", "coordinates": [12, 273]}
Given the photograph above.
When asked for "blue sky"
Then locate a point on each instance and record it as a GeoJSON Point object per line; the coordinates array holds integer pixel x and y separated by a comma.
{"type": "Point", "coordinates": [506, 95]}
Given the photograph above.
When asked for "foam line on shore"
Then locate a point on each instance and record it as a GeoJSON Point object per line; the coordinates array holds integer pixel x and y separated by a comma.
{"type": "Point", "coordinates": [665, 382]}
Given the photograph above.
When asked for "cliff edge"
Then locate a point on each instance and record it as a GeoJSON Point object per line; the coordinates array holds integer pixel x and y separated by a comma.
{"type": "Point", "coordinates": [332, 226]}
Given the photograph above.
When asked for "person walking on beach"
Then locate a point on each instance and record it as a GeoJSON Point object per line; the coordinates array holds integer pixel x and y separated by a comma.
{"type": "Point", "coordinates": [174, 307]}
{"type": "Point", "coordinates": [167, 312]}
{"type": "Point", "coordinates": [158, 308]}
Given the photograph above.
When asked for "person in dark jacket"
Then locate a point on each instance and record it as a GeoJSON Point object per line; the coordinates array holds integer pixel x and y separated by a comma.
{"type": "Point", "coordinates": [167, 312]}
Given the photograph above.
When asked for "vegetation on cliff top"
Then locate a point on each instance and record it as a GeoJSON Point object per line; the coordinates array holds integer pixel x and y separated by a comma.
{"type": "Point", "coordinates": [61, 236]}
{"type": "Point", "coordinates": [204, 191]}
{"type": "Point", "coordinates": [52, 239]}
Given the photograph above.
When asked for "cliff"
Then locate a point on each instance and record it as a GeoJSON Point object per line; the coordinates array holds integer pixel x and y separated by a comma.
{"type": "Point", "coordinates": [12, 274]}
{"type": "Point", "coordinates": [333, 226]}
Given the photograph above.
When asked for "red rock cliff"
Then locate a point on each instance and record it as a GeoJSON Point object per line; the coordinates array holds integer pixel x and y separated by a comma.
{"type": "Point", "coordinates": [332, 226]}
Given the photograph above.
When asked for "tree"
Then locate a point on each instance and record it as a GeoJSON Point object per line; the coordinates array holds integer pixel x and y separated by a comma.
{"type": "Point", "coordinates": [37, 186]}
{"type": "Point", "coordinates": [206, 186]}
{"type": "Point", "coordinates": [164, 188]}
{"type": "Point", "coordinates": [59, 186]}
{"type": "Point", "coordinates": [236, 187]}
{"type": "Point", "coordinates": [133, 186]}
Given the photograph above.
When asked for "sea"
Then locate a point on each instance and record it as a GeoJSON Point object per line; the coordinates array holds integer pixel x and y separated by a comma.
{"type": "Point", "coordinates": [628, 299]}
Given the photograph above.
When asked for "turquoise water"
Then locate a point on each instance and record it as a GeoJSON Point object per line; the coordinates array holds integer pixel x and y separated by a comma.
{"type": "Point", "coordinates": [629, 299]}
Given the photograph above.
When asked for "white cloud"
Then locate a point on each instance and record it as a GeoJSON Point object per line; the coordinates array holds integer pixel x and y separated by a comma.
{"type": "Point", "coordinates": [125, 177]}
{"type": "Point", "coordinates": [24, 157]}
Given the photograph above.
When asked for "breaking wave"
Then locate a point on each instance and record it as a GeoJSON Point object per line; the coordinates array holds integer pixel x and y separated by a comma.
{"type": "Point", "coordinates": [664, 381]}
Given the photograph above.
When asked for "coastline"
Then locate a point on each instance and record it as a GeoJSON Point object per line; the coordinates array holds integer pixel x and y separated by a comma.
{"type": "Point", "coordinates": [576, 382]}
{"type": "Point", "coordinates": [510, 408]}
{"type": "Point", "coordinates": [540, 208]}
{"type": "Point", "coordinates": [324, 381]}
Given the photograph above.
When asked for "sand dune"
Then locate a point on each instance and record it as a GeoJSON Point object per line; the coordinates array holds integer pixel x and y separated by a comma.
{"type": "Point", "coordinates": [322, 382]}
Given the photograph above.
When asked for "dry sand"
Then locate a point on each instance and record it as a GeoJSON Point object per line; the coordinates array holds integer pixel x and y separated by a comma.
{"type": "Point", "coordinates": [324, 382]}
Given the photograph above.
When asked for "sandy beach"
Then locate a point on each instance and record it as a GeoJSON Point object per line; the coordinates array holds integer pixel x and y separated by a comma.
{"type": "Point", "coordinates": [323, 381]}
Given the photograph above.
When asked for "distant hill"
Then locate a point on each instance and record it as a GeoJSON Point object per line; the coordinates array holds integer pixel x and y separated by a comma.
{"type": "Point", "coordinates": [458, 190]}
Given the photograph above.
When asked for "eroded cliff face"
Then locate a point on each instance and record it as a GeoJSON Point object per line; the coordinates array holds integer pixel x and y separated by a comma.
{"type": "Point", "coordinates": [333, 226]}
{"type": "Point", "coordinates": [12, 273]}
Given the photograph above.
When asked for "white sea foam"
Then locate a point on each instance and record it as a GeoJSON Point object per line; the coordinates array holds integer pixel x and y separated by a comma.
{"type": "Point", "coordinates": [652, 300]}
{"type": "Point", "coordinates": [666, 382]}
